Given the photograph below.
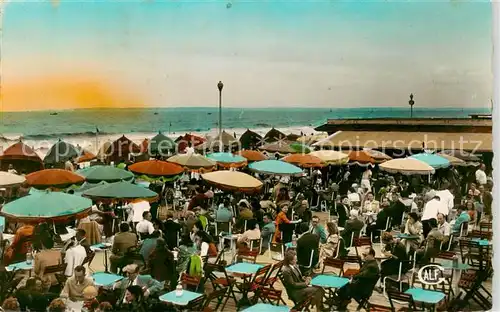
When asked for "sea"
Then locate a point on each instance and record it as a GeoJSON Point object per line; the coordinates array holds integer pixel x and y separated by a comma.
{"type": "Point", "coordinates": [90, 128]}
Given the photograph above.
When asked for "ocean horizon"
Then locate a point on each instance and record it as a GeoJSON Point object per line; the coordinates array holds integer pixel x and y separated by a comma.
{"type": "Point", "coordinates": [53, 124]}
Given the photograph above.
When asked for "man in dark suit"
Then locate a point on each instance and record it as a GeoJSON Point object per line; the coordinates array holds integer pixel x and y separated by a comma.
{"type": "Point", "coordinates": [353, 225]}
{"type": "Point", "coordinates": [171, 231]}
{"type": "Point", "coordinates": [122, 242]}
{"type": "Point", "coordinates": [149, 285]}
{"type": "Point", "coordinates": [363, 283]}
{"type": "Point", "coordinates": [297, 287]}
{"type": "Point", "coordinates": [306, 244]}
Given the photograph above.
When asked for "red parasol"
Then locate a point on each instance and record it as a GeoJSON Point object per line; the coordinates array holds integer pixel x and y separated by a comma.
{"type": "Point", "coordinates": [85, 157]}
{"type": "Point", "coordinates": [182, 142]}
{"type": "Point", "coordinates": [252, 155]}
{"type": "Point", "coordinates": [21, 156]}
{"type": "Point", "coordinates": [156, 168]}
{"type": "Point", "coordinates": [304, 160]}
{"type": "Point", "coordinates": [53, 178]}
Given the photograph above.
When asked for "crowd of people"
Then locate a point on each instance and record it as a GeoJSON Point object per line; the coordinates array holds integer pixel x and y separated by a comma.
{"type": "Point", "coordinates": [174, 239]}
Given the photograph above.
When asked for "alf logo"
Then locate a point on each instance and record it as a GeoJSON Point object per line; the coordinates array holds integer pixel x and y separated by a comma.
{"type": "Point", "coordinates": [431, 274]}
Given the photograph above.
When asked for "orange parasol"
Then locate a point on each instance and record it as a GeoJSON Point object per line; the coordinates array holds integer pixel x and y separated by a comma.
{"type": "Point", "coordinates": [252, 155]}
{"type": "Point", "coordinates": [53, 178]}
{"type": "Point", "coordinates": [304, 160]}
{"type": "Point", "coordinates": [156, 168]}
{"type": "Point", "coordinates": [85, 157]}
{"type": "Point", "coordinates": [367, 157]}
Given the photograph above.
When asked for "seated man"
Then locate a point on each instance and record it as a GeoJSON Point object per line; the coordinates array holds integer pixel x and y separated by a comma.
{"type": "Point", "coordinates": [362, 284]}
{"type": "Point", "coordinates": [353, 225]}
{"type": "Point", "coordinates": [463, 216]}
{"type": "Point", "coordinates": [122, 242]}
{"type": "Point", "coordinates": [224, 213]}
{"type": "Point", "coordinates": [267, 232]}
{"type": "Point", "coordinates": [307, 244]}
{"type": "Point", "coordinates": [445, 229]}
{"type": "Point", "coordinates": [297, 287]}
{"type": "Point", "coordinates": [73, 289]}
{"type": "Point", "coordinates": [251, 234]}
{"type": "Point", "coordinates": [145, 227]}
{"type": "Point", "coordinates": [431, 247]}
{"type": "Point", "coordinates": [318, 229]}
{"type": "Point", "coordinates": [149, 285]}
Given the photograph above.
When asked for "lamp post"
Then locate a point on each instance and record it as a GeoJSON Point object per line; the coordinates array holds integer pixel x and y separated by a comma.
{"type": "Point", "coordinates": [411, 102]}
{"type": "Point", "coordinates": [220, 85]}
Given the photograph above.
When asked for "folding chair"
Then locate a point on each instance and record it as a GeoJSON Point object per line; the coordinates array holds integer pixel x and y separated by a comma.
{"type": "Point", "coordinates": [220, 282]}
{"type": "Point", "coordinates": [398, 278]}
{"type": "Point", "coordinates": [196, 304]}
{"type": "Point", "coordinates": [256, 244]}
{"type": "Point", "coordinates": [272, 276]}
{"type": "Point", "coordinates": [271, 295]}
{"type": "Point", "coordinates": [57, 269]}
{"type": "Point", "coordinates": [360, 242]}
{"type": "Point", "coordinates": [303, 306]}
{"type": "Point", "coordinates": [485, 227]}
{"type": "Point", "coordinates": [311, 259]}
{"type": "Point", "coordinates": [190, 282]}
{"type": "Point", "coordinates": [401, 298]}
{"type": "Point", "coordinates": [387, 229]}
{"type": "Point", "coordinates": [464, 229]}
{"type": "Point", "coordinates": [246, 256]}
{"type": "Point", "coordinates": [218, 294]}
{"type": "Point", "coordinates": [480, 235]}
{"type": "Point", "coordinates": [351, 259]}
{"type": "Point", "coordinates": [334, 264]}
{"type": "Point", "coordinates": [475, 255]}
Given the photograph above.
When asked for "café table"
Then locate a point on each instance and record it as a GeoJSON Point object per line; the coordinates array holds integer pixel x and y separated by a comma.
{"type": "Point", "coordinates": [24, 266]}
{"type": "Point", "coordinates": [407, 238]}
{"type": "Point", "coordinates": [102, 247]}
{"type": "Point", "coordinates": [290, 245]}
{"type": "Point", "coordinates": [245, 271]}
{"type": "Point", "coordinates": [482, 242]}
{"type": "Point", "coordinates": [457, 268]}
{"type": "Point", "coordinates": [330, 282]}
{"type": "Point", "coordinates": [106, 279]}
{"type": "Point", "coordinates": [266, 307]}
{"type": "Point", "coordinates": [183, 300]}
{"type": "Point", "coordinates": [425, 296]}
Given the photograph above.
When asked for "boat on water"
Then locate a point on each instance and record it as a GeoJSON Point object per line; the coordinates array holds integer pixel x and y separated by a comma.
{"type": "Point", "coordinates": [53, 114]}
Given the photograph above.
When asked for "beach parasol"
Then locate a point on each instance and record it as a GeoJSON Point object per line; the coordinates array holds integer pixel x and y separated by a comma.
{"type": "Point", "coordinates": [228, 160]}
{"type": "Point", "coordinates": [121, 191]}
{"type": "Point", "coordinates": [234, 181]}
{"type": "Point", "coordinates": [252, 155]}
{"type": "Point", "coordinates": [331, 157]}
{"type": "Point", "coordinates": [454, 161]}
{"type": "Point", "coordinates": [304, 161]}
{"type": "Point", "coordinates": [225, 138]}
{"type": "Point", "coordinates": [8, 179]}
{"type": "Point", "coordinates": [463, 155]}
{"type": "Point", "coordinates": [250, 139]}
{"type": "Point", "coordinates": [281, 147]}
{"type": "Point", "coordinates": [109, 174]}
{"type": "Point", "coordinates": [194, 140]}
{"type": "Point", "coordinates": [193, 161]}
{"type": "Point", "coordinates": [61, 152]}
{"type": "Point", "coordinates": [433, 160]}
{"type": "Point", "coordinates": [21, 157]}
{"type": "Point", "coordinates": [57, 178]}
{"type": "Point", "coordinates": [300, 148]}
{"type": "Point", "coordinates": [85, 186]}
{"type": "Point", "coordinates": [275, 167]}
{"type": "Point", "coordinates": [366, 157]}
{"type": "Point", "coordinates": [274, 135]}
{"type": "Point", "coordinates": [85, 156]}
{"type": "Point", "coordinates": [120, 150]}
{"type": "Point", "coordinates": [407, 166]}
{"type": "Point", "coordinates": [161, 145]}
{"type": "Point", "coordinates": [46, 206]}
{"type": "Point", "coordinates": [156, 168]}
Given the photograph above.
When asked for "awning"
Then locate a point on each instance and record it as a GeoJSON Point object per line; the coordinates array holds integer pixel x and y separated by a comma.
{"type": "Point", "coordinates": [477, 142]}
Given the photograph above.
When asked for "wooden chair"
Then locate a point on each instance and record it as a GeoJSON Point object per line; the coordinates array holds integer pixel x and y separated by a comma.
{"type": "Point", "coordinates": [57, 269]}
{"type": "Point", "coordinates": [486, 227]}
{"type": "Point", "coordinates": [276, 251]}
{"type": "Point", "coordinates": [303, 306]}
{"type": "Point", "coordinates": [219, 278]}
{"type": "Point", "coordinates": [190, 282]}
{"type": "Point", "coordinates": [272, 276]}
{"type": "Point", "coordinates": [271, 295]}
{"type": "Point", "coordinates": [387, 229]}
{"type": "Point", "coordinates": [402, 298]}
{"type": "Point", "coordinates": [378, 308]}
{"type": "Point", "coordinates": [196, 304]}
{"type": "Point", "coordinates": [351, 259]}
{"type": "Point", "coordinates": [247, 256]}
{"type": "Point", "coordinates": [334, 264]}
{"type": "Point", "coordinates": [480, 235]}
{"type": "Point", "coordinates": [360, 242]}
{"type": "Point", "coordinates": [218, 294]}
{"type": "Point", "coordinates": [474, 254]}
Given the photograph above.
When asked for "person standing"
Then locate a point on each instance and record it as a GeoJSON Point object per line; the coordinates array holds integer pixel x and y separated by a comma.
{"type": "Point", "coordinates": [481, 177]}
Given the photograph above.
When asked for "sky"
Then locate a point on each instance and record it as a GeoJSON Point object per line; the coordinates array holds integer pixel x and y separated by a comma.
{"type": "Point", "coordinates": [172, 53]}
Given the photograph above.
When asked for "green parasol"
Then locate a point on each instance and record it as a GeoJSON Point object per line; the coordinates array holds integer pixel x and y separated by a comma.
{"type": "Point", "coordinates": [46, 206]}
{"type": "Point", "coordinates": [121, 191]}
{"type": "Point", "coordinates": [96, 174]}
{"type": "Point", "coordinates": [300, 148]}
{"type": "Point", "coordinates": [161, 145]}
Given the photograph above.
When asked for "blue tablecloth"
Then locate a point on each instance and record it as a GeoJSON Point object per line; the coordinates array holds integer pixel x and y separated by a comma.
{"type": "Point", "coordinates": [425, 296]}
{"type": "Point", "coordinates": [290, 245]}
{"type": "Point", "coordinates": [183, 300]}
{"type": "Point", "coordinates": [105, 279]}
{"type": "Point", "coordinates": [100, 246]}
{"type": "Point", "coordinates": [482, 242]}
{"type": "Point", "coordinates": [329, 281]}
{"type": "Point", "coordinates": [20, 266]}
{"type": "Point", "coordinates": [407, 236]}
{"type": "Point", "coordinates": [458, 266]}
{"type": "Point", "coordinates": [264, 307]}
{"type": "Point", "coordinates": [244, 268]}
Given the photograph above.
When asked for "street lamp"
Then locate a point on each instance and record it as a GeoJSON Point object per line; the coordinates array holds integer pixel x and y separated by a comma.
{"type": "Point", "coordinates": [411, 102]}
{"type": "Point", "coordinates": [220, 85]}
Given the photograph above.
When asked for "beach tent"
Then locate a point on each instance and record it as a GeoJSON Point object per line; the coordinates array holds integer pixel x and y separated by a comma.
{"type": "Point", "coordinates": [274, 135]}
{"type": "Point", "coordinates": [250, 140]}
{"type": "Point", "coordinates": [161, 145]}
{"type": "Point", "coordinates": [227, 140]}
{"type": "Point", "coordinates": [121, 150]}
{"type": "Point", "coordinates": [101, 154]}
{"type": "Point", "coordinates": [182, 142]}
{"type": "Point", "coordinates": [61, 152]}
{"type": "Point", "coordinates": [21, 157]}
